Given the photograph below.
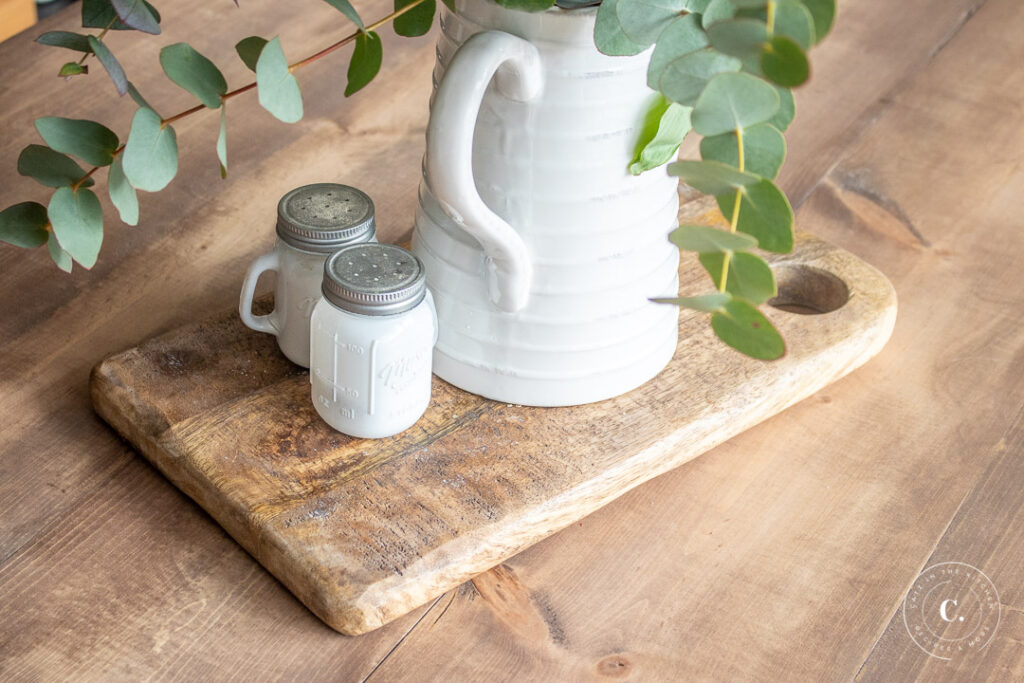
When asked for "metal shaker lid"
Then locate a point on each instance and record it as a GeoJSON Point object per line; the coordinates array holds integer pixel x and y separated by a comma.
{"type": "Point", "coordinates": [325, 216]}
{"type": "Point", "coordinates": [374, 279]}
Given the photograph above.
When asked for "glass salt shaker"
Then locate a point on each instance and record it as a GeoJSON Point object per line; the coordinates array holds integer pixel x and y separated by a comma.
{"type": "Point", "coordinates": [372, 338]}
{"type": "Point", "coordinates": [313, 222]}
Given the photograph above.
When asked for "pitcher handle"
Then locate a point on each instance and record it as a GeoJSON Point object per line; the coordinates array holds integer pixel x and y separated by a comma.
{"type": "Point", "coordinates": [449, 169]}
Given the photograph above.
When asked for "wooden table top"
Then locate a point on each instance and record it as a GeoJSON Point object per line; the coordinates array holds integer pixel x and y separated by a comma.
{"type": "Point", "coordinates": [784, 554]}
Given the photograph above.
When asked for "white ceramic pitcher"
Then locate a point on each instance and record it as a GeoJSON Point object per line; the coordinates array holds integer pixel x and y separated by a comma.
{"type": "Point", "coordinates": [541, 250]}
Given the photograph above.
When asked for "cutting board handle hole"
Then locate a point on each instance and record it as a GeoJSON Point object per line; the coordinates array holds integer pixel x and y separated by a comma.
{"type": "Point", "coordinates": [806, 290]}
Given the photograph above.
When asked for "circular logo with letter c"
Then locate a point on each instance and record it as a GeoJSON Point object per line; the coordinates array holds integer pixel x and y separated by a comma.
{"type": "Point", "coordinates": [951, 610]}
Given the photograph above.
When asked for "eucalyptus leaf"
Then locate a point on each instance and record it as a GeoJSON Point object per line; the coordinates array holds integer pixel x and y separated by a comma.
{"type": "Point", "coordinates": [794, 21]}
{"type": "Point", "coordinates": [764, 150]}
{"type": "Point", "coordinates": [276, 86]}
{"type": "Point", "coordinates": [24, 225]}
{"type": "Point", "coordinates": [704, 239]}
{"type": "Point", "coordinates": [750, 277]}
{"type": "Point", "coordinates": [784, 63]}
{"type": "Point", "coordinates": [138, 15]}
{"type": "Point", "coordinates": [137, 96]}
{"type": "Point", "coordinates": [608, 34]}
{"type": "Point", "coordinates": [666, 125]}
{"type": "Point", "coordinates": [787, 109]}
{"type": "Point", "coordinates": [823, 12]}
{"type": "Point", "coordinates": [749, 4]}
{"type": "Point", "coordinates": [744, 328]}
{"type": "Point", "coordinates": [366, 60]}
{"type": "Point", "coordinates": [122, 194]}
{"type": "Point", "coordinates": [249, 50]}
{"type": "Point", "coordinates": [66, 39]}
{"type": "Point", "coordinates": [685, 78]}
{"type": "Point", "coordinates": [705, 303]}
{"type": "Point", "coordinates": [150, 157]}
{"type": "Point", "coordinates": [73, 69]}
{"type": "Point", "coordinates": [102, 14]}
{"type": "Point", "coordinates": [765, 214]}
{"type": "Point", "coordinates": [193, 72]}
{"type": "Point", "coordinates": [416, 21]}
{"type": "Point", "coordinates": [110, 63]}
{"type": "Point", "coordinates": [346, 8]}
{"type": "Point", "coordinates": [77, 220]}
{"type": "Point", "coordinates": [50, 168]}
{"type": "Point", "coordinates": [681, 37]}
{"type": "Point", "coordinates": [643, 20]}
{"type": "Point", "coordinates": [712, 177]}
{"type": "Point", "coordinates": [91, 142]}
{"type": "Point", "coordinates": [59, 256]}
{"type": "Point", "coordinates": [717, 10]}
{"type": "Point", "coordinates": [743, 38]}
{"type": "Point", "coordinates": [222, 142]}
{"type": "Point", "coordinates": [732, 101]}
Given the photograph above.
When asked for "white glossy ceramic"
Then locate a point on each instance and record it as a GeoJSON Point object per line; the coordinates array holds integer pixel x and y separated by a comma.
{"type": "Point", "coordinates": [370, 375]}
{"type": "Point", "coordinates": [541, 250]}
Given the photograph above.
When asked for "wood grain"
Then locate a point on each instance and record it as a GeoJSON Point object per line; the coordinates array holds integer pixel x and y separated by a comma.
{"type": "Point", "coordinates": [830, 510]}
{"type": "Point", "coordinates": [363, 531]}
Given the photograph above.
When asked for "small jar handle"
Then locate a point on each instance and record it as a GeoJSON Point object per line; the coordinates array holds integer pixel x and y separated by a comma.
{"type": "Point", "coordinates": [516, 65]}
{"type": "Point", "coordinates": [260, 323]}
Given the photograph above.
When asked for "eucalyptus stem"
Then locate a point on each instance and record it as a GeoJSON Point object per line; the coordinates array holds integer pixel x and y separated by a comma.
{"type": "Point", "coordinates": [770, 18]}
{"type": "Point", "coordinates": [249, 86]}
{"type": "Point", "coordinates": [100, 36]}
{"type": "Point", "coordinates": [727, 257]}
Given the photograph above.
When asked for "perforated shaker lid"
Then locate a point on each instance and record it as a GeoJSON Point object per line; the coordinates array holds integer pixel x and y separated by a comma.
{"type": "Point", "coordinates": [374, 279]}
{"type": "Point", "coordinates": [325, 216]}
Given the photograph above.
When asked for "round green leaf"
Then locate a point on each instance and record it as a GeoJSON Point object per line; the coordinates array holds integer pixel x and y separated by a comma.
{"type": "Point", "coordinates": [794, 21]}
{"type": "Point", "coordinates": [716, 11]}
{"type": "Point", "coordinates": [138, 15]}
{"type": "Point", "coordinates": [823, 12]}
{"type": "Point", "coordinates": [73, 69]}
{"type": "Point", "coordinates": [277, 89]}
{"type": "Point", "coordinates": [50, 168]}
{"type": "Point", "coordinates": [346, 8]}
{"type": "Point", "coordinates": [741, 38]}
{"type": "Point", "coordinates": [366, 60]}
{"type": "Point", "coordinates": [122, 194]}
{"type": "Point", "coordinates": [150, 156]}
{"type": "Point", "coordinates": [101, 14]}
{"type": "Point", "coordinates": [643, 20]}
{"type": "Point", "coordinates": [666, 125]}
{"type": "Point", "coordinates": [59, 256]}
{"type": "Point", "coordinates": [89, 141]}
{"type": "Point", "coordinates": [704, 239]}
{"type": "Point", "coordinates": [608, 35]}
{"type": "Point", "coordinates": [732, 101]}
{"type": "Point", "coordinates": [66, 39]}
{"type": "Point", "coordinates": [712, 177]}
{"type": "Point", "coordinates": [249, 50]}
{"type": "Point", "coordinates": [750, 276]}
{"type": "Point", "coordinates": [681, 37]}
{"type": "Point", "coordinates": [110, 63]}
{"type": "Point", "coordinates": [685, 78]}
{"type": "Point", "coordinates": [764, 149]}
{"type": "Point", "coordinates": [784, 63]}
{"type": "Point", "coordinates": [77, 221]}
{"type": "Point", "coordinates": [24, 225]}
{"type": "Point", "coordinates": [765, 214]}
{"type": "Point", "coordinates": [748, 4]}
{"type": "Point", "coordinates": [416, 21]}
{"type": "Point", "coordinates": [744, 328]}
{"type": "Point", "coordinates": [787, 109]}
{"type": "Point", "coordinates": [194, 72]}
{"type": "Point", "coordinates": [705, 303]}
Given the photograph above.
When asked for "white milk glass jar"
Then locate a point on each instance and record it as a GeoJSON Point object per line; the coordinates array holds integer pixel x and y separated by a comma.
{"type": "Point", "coordinates": [313, 222]}
{"type": "Point", "coordinates": [371, 341]}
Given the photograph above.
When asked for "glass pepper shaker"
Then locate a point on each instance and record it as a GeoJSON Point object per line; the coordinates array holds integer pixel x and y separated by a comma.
{"type": "Point", "coordinates": [313, 221]}
{"type": "Point", "coordinates": [372, 338]}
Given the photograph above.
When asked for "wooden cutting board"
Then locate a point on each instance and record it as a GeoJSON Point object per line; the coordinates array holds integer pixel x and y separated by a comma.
{"type": "Point", "coordinates": [363, 531]}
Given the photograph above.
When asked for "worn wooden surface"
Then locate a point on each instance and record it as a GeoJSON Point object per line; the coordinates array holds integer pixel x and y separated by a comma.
{"type": "Point", "coordinates": [363, 531]}
{"type": "Point", "coordinates": [783, 554]}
